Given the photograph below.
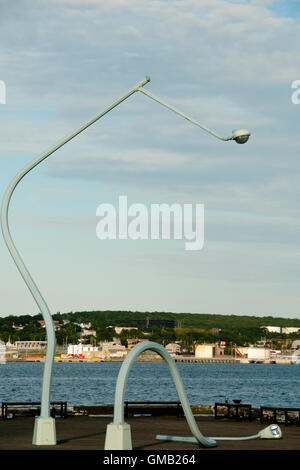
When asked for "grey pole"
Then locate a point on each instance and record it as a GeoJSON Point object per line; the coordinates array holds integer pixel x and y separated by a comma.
{"type": "Point", "coordinates": [240, 136]}
{"type": "Point", "coordinates": [43, 435]}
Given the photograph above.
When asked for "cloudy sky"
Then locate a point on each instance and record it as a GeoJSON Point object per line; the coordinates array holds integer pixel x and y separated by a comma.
{"type": "Point", "coordinates": [227, 64]}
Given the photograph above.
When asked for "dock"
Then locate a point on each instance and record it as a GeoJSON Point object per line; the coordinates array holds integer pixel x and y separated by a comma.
{"type": "Point", "coordinates": [86, 433]}
{"type": "Point", "coordinates": [213, 360]}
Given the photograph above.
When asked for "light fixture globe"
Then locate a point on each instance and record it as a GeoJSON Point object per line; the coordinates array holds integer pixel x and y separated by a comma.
{"type": "Point", "coordinates": [241, 135]}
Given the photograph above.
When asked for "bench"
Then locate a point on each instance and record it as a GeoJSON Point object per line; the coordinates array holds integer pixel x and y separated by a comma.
{"type": "Point", "coordinates": [155, 408]}
{"type": "Point", "coordinates": [236, 406]}
{"type": "Point", "coordinates": [276, 409]}
{"type": "Point", "coordinates": [21, 404]}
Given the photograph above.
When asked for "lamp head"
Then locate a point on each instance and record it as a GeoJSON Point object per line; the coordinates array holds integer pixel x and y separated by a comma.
{"type": "Point", "coordinates": [271, 432]}
{"type": "Point", "coordinates": [241, 135]}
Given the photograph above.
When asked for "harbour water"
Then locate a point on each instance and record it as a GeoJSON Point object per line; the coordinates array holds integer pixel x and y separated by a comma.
{"type": "Point", "coordinates": [94, 383]}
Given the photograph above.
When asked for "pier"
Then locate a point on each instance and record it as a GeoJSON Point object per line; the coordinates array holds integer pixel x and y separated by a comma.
{"type": "Point", "coordinates": [215, 360]}
{"type": "Point", "coordinates": [86, 433]}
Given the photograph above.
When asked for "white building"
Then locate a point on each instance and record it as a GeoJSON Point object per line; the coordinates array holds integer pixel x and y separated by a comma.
{"type": "Point", "coordinates": [30, 345]}
{"type": "Point", "coordinates": [107, 350]}
{"type": "Point", "coordinates": [253, 353]}
{"type": "Point", "coordinates": [273, 329]}
{"type": "Point", "coordinates": [287, 330]}
{"type": "Point", "coordinates": [258, 353]}
{"type": "Point", "coordinates": [173, 348]}
{"type": "Point", "coordinates": [112, 346]}
{"type": "Point", "coordinates": [84, 350]}
{"type": "Point", "coordinates": [78, 349]}
{"type": "Point", "coordinates": [204, 350]}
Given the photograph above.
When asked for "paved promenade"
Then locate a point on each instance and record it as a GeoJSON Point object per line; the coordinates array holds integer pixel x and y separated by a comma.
{"type": "Point", "coordinates": [88, 433]}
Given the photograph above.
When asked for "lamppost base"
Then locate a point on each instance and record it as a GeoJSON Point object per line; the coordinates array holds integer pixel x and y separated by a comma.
{"type": "Point", "coordinates": [118, 437]}
{"type": "Point", "coordinates": [44, 433]}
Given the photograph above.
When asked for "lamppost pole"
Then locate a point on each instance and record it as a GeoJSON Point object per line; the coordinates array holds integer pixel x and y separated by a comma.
{"type": "Point", "coordinates": [44, 431]}
{"type": "Point", "coordinates": [158, 100]}
{"type": "Point", "coordinates": [240, 136]}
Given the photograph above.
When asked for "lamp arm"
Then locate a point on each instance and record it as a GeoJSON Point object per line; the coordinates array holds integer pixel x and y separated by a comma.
{"type": "Point", "coordinates": [40, 301]}
{"type": "Point", "coordinates": [206, 129]}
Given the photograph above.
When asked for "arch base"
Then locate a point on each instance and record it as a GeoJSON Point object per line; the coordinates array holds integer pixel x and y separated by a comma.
{"type": "Point", "coordinates": [118, 437]}
{"type": "Point", "coordinates": [44, 433]}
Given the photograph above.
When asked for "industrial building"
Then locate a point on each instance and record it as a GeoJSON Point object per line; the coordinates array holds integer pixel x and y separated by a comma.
{"type": "Point", "coordinates": [252, 353]}
{"type": "Point", "coordinates": [206, 351]}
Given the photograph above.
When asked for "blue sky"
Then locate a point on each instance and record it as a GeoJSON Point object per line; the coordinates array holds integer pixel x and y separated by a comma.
{"type": "Point", "coordinates": [228, 64]}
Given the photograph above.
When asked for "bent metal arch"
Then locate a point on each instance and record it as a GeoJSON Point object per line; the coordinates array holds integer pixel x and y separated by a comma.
{"type": "Point", "coordinates": [118, 433]}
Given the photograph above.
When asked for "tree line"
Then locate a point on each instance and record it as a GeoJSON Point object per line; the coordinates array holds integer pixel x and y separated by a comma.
{"type": "Point", "coordinates": [189, 329]}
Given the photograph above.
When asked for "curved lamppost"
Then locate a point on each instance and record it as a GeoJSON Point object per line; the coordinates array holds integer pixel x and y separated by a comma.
{"type": "Point", "coordinates": [118, 433]}
{"type": "Point", "coordinates": [44, 429]}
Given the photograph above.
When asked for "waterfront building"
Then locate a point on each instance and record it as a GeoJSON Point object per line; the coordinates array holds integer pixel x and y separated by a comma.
{"type": "Point", "coordinates": [117, 354]}
{"type": "Point", "coordinates": [252, 353]}
{"type": "Point", "coordinates": [85, 351]}
{"type": "Point", "coordinates": [173, 348]}
{"type": "Point", "coordinates": [10, 346]}
{"type": "Point", "coordinates": [113, 349]}
{"type": "Point", "coordinates": [286, 330]}
{"type": "Point", "coordinates": [258, 353]}
{"type": "Point", "coordinates": [208, 351]}
{"type": "Point", "coordinates": [133, 341]}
